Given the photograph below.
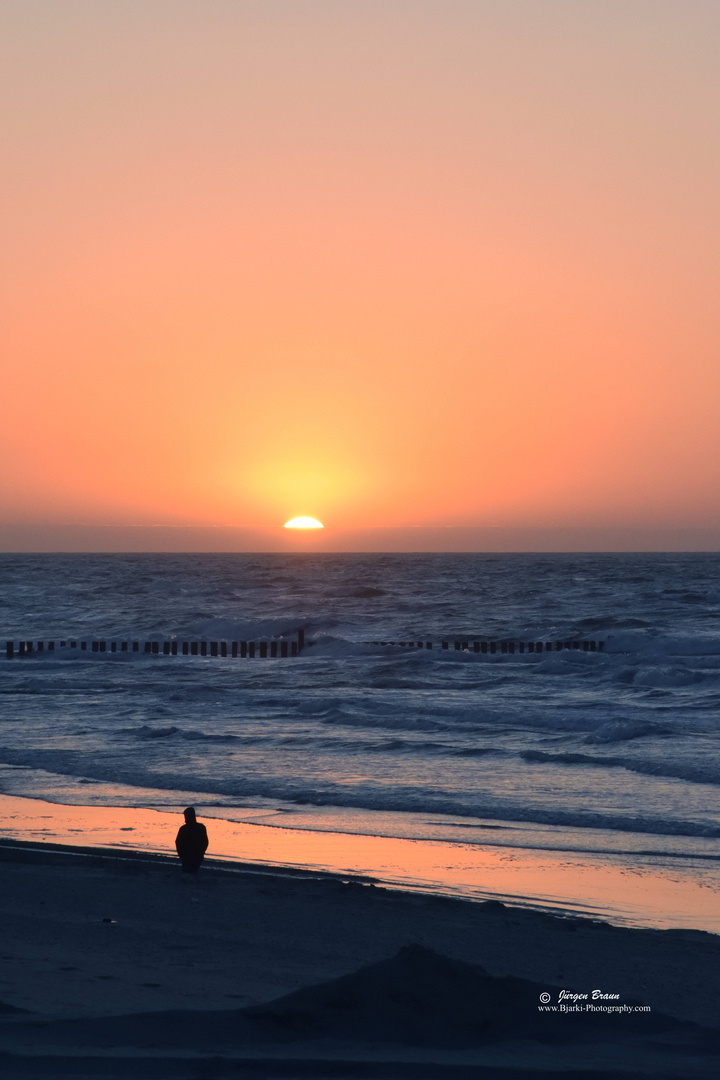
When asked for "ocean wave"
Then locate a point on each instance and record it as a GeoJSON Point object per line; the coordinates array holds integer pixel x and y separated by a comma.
{"type": "Point", "coordinates": [664, 646]}
{"type": "Point", "coordinates": [355, 592]}
{"type": "Point", "coordinates": [406, 800]}
{"type": "Point", "coordinates": [212, 628]}
{"type": "Point", "coordinates": [201, 736]}
{"type": "Point", "coordinates": [694, 773]}
{"type": "Point", "coordinates": [402, 746]}
{"type": "Point", "coordinates": [663, 678]}
{"type": "Point", "coordinates": [475, 751]}
{"type": "Point", "coordinates": [388, 722]}
{"type": "Point", "coordinates": [623, 730]}
{"type": "Point", "coordinates": [608, 623]}
{"type": "Point", "coordinates": [146, 731]}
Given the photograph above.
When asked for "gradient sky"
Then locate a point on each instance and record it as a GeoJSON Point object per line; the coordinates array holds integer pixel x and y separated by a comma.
{"type": "Point", "coordinates": [385, 263]}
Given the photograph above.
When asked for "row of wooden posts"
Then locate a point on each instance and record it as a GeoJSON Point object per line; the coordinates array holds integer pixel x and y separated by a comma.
{"type": "Point", "coordinates": [500, 646]}
{"type": "Point", "coordinates": [250, 649]}
{"type": "Point", "coordinates": [283, 648]}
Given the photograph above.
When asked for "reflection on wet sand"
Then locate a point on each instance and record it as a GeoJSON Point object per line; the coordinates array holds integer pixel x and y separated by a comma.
{"type": "Point", "coordinates": [638, 893]}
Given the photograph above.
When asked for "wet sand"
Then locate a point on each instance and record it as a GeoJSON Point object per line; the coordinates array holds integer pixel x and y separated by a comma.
{"type": "Point", "coordinates": [629, 890]}
{"type": "Point", "coordinates": [89, 936]}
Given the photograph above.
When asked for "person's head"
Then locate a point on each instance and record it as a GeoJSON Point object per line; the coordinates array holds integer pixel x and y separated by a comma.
{"type": "Point", "coordinates": [189, 815]}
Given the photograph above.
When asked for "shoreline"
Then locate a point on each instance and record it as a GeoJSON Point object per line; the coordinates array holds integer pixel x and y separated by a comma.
{"type": "Point", "coordinates": [625, 891]}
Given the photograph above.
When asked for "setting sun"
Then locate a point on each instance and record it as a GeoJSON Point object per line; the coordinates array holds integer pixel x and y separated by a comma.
{"type": "Point", "coordinates": [303, 523]}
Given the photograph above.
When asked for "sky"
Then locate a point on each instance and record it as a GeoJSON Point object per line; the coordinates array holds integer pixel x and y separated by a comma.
{"type": "Point", "coordinates": [395, 264]}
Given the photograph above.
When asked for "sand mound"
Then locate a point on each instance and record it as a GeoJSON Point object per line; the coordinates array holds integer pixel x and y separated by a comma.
{"type": "Point", "coordinates": [421, 998]}
{"type": "Point", "coordinates": [416, 998]}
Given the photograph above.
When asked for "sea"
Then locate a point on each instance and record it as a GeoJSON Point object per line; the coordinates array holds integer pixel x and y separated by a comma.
{"type": "Point", "coordinates": [612, 751]}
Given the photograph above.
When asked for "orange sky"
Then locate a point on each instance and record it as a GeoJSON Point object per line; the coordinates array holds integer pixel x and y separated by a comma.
{"type": "Point", "coordinates": [384, 263]}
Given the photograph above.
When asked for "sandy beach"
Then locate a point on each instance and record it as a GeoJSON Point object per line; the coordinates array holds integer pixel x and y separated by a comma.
{"type": "Point", "coordinates": [128, 967]}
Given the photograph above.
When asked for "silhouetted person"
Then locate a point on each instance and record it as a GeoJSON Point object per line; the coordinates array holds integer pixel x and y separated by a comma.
{"type": "Point", "coordinates": [191, 842]}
